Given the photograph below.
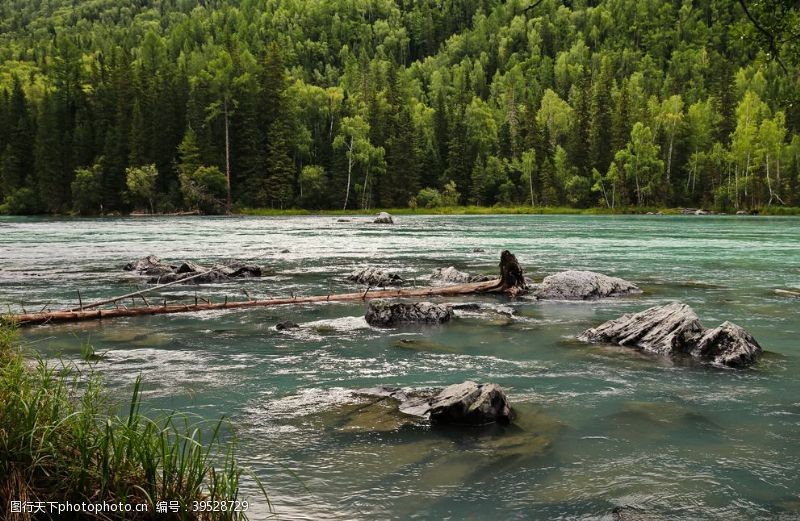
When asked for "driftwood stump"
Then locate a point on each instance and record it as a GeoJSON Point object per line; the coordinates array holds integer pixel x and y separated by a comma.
{"type": "Point", "coordinates": [512, 278]}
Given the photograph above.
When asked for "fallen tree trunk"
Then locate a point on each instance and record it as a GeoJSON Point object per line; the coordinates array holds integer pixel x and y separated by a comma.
{"type": "Point", "coordinates": [511, 282]}
{"type": "Point", "coordinates": [139, 293]}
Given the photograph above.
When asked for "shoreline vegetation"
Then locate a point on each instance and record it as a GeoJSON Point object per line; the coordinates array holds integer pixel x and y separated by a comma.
{"type": "Point", "coordinates": [63, 439]}
{"type": "Point", "coordinates": [508, 210]}
{"type": "Point", "coordinates": [458, 210]}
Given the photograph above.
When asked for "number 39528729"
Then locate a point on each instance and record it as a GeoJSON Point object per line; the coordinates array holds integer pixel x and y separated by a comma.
{"type": "Point", "coordinates": [220, 506]}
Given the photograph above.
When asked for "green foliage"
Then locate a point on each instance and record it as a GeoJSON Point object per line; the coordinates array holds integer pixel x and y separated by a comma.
{"type": "Point", "coordinates": [205, 189]}
{"type": "Point", "coordinates": [21, 202]}
{"type": "Point", "coordinates": [141, 182]}
{"type": "Point", "coordinates": [413, 96]}
{"type": "Point", "coordinates": [62, 441]}
{"type": "Point", "coordinates": [87, 190]}
{"type": "Point", "coordinates": [427, 198]}
{"type": "Point", "coordinates": [313, 184]}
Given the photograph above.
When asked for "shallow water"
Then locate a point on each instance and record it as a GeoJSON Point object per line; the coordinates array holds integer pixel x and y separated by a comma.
{"type": "Point", "coordinates": [599, 426]}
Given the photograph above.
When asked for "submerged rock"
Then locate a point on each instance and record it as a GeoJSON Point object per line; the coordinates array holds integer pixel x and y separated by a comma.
{"type": "Point", "coordinates": [582, 285]}
{"type": "Point", "coordinates": [287, 324]}
{"type": "Point", "coordinates": [383, 218]}
{"type": "Point", "coordinates": [375, 277]}
{"type": "Point", "coordinates": [451, 275]}
{"type": "Point", "coordinates": [190, 277]}
{"type": "Point", "coordinates": [466, 403]}
{"type": "Point", "coordinates": [235, 269]}
{"type": "Point", "coordinates": [415, 344]}
{"type": "Point", "coordinates": [162, 273]}
{"type": "Point", "coordinates": [385, 313]}
{"type": "Point", "coordinates": [675, 329]}
{"type": "Point", "coordinates": [627, 513]}
{"type": "Point", "coordinates": [728, 345]}
{"type": "Point", "coordinates": [150, 265]}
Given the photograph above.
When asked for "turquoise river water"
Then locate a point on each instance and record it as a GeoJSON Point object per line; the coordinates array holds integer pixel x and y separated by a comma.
{"type": "Point", "coordinates": [598, 427]}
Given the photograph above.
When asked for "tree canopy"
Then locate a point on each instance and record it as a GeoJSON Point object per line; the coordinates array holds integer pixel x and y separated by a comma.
{"type": "Point", "coordinates": [163, 105]}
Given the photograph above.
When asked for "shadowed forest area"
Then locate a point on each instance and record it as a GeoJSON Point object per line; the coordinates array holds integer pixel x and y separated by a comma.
{"type": "Point", "coordinates": [113, 106]}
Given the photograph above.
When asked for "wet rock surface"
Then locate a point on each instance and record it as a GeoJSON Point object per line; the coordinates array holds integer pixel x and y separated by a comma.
{"type": "Point", "coordinates": [150, 265]}
{"type": "Point", "coordinates": [373, 276]}
{"type": "Point", "coordinates": [675, 329]}
{"type": "Point", "coordinates": [582, 285]}
{"type": "Point", "coordinates": [163, 273]}
{"type": "Point", "coordinates": [286, 324]}
{"type": "Point", "coordinates": [467, 403]}
{"type": "Point", "coordinates": [384, 218]}
{"type": "Point", "coordinates": [451, 275]}
{"type": "Point", "coordinates": [386, 313]}
{"type": "Point", "coordinates": [664, 330]}
{"type": "Point", "coordinates": [728, 345]}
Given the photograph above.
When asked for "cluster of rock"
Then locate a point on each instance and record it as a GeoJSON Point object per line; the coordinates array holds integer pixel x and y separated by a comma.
{"type": "Point", "coordinates": [675, 329]}
{"type": "Point", "coordinates": [582, 285]}
{"type": "Point", "coordinates": [467, 403]}
{"type": "Point", "coordinates": [450, 275]}
{"type": "Point", "coordinates": [387, 313]}
{"type": "Point", "coordinates": [163, 273]}
{"type": "Point", "coordinates": [378, 277]}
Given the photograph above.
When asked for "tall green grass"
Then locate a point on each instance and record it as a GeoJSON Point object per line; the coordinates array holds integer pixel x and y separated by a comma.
{"type": "Point", "coordinates": [62, 439]}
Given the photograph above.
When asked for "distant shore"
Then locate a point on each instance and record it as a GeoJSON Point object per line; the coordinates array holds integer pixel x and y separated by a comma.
{"type": "Point", "coordinates": [514, 210]}
{"type": "Point", "coordinates": [468, 210]}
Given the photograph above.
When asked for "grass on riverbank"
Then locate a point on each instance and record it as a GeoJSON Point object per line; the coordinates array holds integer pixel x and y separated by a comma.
{"type": "Point", "coordinates": [497, 210]}
{"type": "Point", "coordinates": [61, 441]}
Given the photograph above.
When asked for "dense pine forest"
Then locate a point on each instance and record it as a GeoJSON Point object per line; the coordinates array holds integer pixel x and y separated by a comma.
{"type": "Point", "coordinates": [110, 106]}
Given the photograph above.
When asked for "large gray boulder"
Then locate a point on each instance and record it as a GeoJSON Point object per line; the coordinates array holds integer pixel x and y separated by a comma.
{"type": "Point", "coordinates": [373, 276]}
{"type": "Point", "coordinates": [728, 345]}
{"type": "Point", "coordinates": [386, 313]}
{"type": "Point", "coordinates": [664, 330]}
{"type": "Point", "coordinates": [582, 285]}
{"type": "Point", "coordinates": [675, 329]}
{"type": "Point", "coordinates": [383, 218]}
{"type": "Point", "coordinates": [467, 403]}
{"type": "Point", "coordinates": [450, 275]}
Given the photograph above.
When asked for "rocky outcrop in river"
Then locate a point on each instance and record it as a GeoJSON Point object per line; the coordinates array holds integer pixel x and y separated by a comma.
{"type": "Point", "coordinates": [582, 285]}
{"type": "Point", "coordinates": [386, 313]}
{"type": "Point", "coordinates": [373, 276]}
{"type": "Point", "coordinates": [451, 275]}
{"type": "Point", "coordinates": [467, 403]}
{"type": "Point", "coordinates": [384, 218]}
{"type": "Point", "coordinates": [163, 273]}
{"type": "Point", "coordinates": [675, 329]}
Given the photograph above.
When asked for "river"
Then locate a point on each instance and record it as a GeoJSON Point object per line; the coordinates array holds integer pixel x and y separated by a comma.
{"type": "Point", "coordinates": [599, 426]}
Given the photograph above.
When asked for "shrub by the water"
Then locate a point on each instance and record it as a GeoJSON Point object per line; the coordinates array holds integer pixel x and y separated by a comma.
{"type": "Point", "coordinates": [62, 441]}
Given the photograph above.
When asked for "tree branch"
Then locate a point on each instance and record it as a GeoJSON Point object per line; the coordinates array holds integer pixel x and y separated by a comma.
{"type": "Point", "coordinates": [770, 37]}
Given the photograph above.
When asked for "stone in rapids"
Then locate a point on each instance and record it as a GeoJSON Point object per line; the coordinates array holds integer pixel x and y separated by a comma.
{"type": "Point", "coordinates": [582, 285]}
{"type": "Point", "coordinates": [674, 329]}
{"type": "Point", "coordinates": [387, 313]}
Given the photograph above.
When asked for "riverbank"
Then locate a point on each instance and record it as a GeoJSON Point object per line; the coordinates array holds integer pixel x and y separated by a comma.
{"type": "Point", "coordinates": [463, 210]}
{"type": "Point", "coordinates": [501, 210]}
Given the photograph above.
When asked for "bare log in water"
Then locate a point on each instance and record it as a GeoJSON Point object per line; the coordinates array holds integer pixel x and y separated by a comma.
{"type": "Point", "coordinates": [511, 282]}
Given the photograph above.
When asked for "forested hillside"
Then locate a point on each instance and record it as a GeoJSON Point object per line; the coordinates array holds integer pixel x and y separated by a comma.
{"type": "Point", "coordinates": [116, 105]}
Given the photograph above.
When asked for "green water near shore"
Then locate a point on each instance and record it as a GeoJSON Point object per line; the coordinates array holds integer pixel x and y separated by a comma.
{"type": "Point", "coordinates": [599, 426]}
